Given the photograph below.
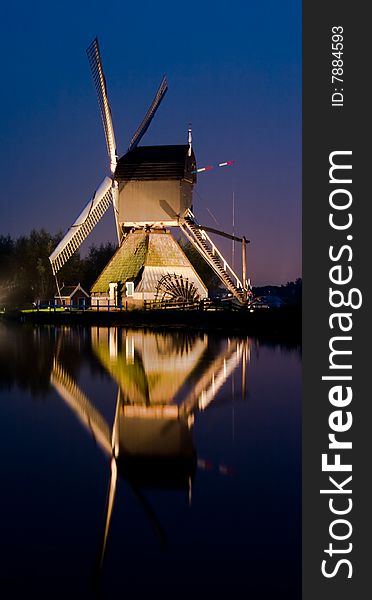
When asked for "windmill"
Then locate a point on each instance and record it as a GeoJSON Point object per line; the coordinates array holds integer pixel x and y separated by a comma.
{"type": "Point", "coordinates": [150, 189]}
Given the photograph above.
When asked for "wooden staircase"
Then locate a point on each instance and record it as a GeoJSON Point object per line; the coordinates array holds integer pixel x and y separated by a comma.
{"type": "Point", "coordinates": [206, 247]}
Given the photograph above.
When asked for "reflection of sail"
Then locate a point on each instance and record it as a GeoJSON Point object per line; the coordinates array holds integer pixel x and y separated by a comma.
{"type": "Point", "coordinates": [113, 479]}
{"type": "Point", "coordinates": [109, 507]}
{"type": "Point", "coordinates": [82, 407]}
{"type": "Point", "coordinates": [214, 377]}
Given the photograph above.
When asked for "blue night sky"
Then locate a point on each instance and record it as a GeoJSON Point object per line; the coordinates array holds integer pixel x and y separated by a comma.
{"type": "Point", "coordinates": [234, 72]}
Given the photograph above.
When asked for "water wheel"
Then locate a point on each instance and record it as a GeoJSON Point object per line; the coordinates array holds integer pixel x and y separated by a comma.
{"type": "Point", "coordinates": [175, 288]}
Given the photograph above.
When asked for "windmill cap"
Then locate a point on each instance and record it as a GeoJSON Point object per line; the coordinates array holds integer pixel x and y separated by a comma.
{"type": "Point", "coordinates": [157, 163]}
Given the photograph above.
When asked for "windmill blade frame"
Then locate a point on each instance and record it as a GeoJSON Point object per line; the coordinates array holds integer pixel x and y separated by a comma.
{"type": "Point", "coordinates": [84, 224]}
{"type": "Point", "coordinates": [162, 90]}
{"type": "Point", "coordinates": [95, 63]}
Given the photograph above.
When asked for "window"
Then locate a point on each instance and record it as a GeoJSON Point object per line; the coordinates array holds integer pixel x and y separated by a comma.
{"type": "Point", "coordinates": [130, 289]}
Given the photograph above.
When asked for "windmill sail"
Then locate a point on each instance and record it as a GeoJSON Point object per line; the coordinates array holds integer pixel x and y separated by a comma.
{"type": "Point", "coordinates": [95, 62]}
{"type": "Point", "coordinates": [86, 221]}
{"type": "Point", "coordinates": [149, 115]}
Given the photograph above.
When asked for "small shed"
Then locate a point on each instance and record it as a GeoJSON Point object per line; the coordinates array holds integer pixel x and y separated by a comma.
{"type": "Point", "coordinates": [72, 295]}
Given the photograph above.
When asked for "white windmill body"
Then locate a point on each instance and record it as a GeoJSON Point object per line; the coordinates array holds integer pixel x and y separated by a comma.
{"type": "Point", "coordinates": [150, 189]}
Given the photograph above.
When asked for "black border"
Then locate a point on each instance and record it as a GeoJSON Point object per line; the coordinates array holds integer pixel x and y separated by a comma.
{"type": "Point", "coordinates": [327, 128]}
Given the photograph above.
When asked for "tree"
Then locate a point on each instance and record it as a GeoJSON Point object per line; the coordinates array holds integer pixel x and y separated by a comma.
{"type": "Point", "coordinates": [94, 263]}
{"type": "Point", "coordinates": [25, 272]}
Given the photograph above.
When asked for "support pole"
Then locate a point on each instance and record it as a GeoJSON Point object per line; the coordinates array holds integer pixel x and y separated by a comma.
{"type": "Point", "coordinates": [244, 262]}
{"type": "Point", "coordinates": [58, 290]}
{"type": "Point", "coordinates": [233, 231]}
{"type": "Point", "coordinates": [244, 370]}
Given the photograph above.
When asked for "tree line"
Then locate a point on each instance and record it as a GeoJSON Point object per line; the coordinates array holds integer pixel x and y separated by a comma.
{"type": "Point", "coordinates": [290, 293]}
{"type": "Point", "coordinates": [26, 274]}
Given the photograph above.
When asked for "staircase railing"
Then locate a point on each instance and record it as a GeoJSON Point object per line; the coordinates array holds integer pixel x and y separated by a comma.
{"type": "Point", "coordinates": [212, 255]}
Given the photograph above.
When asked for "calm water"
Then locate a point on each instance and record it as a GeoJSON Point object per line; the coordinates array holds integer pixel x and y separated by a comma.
{"type": "Point", "coordinates": [137, 462]}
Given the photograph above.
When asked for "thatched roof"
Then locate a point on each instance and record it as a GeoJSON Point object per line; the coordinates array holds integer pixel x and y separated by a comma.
{"type": "Point", "coordinates": [156, 253]}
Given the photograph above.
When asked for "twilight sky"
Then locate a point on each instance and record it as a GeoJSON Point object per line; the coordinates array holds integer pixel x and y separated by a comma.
{"type": "Point", "coordinates": [234, 72]}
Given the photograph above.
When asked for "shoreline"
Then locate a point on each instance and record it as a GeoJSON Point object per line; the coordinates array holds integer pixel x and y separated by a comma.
{"type": "Point", "coordinates": [276, 324]}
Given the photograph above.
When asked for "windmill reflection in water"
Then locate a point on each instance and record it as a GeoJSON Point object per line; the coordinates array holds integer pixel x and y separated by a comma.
{"type": "Point", "coordinates": [150, 442]}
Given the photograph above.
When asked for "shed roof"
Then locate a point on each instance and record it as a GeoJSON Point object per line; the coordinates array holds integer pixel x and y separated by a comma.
{"type": "Point", "coordinates": [67, 291]}
{"type": "Point", "coordinates": [157, 162]}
